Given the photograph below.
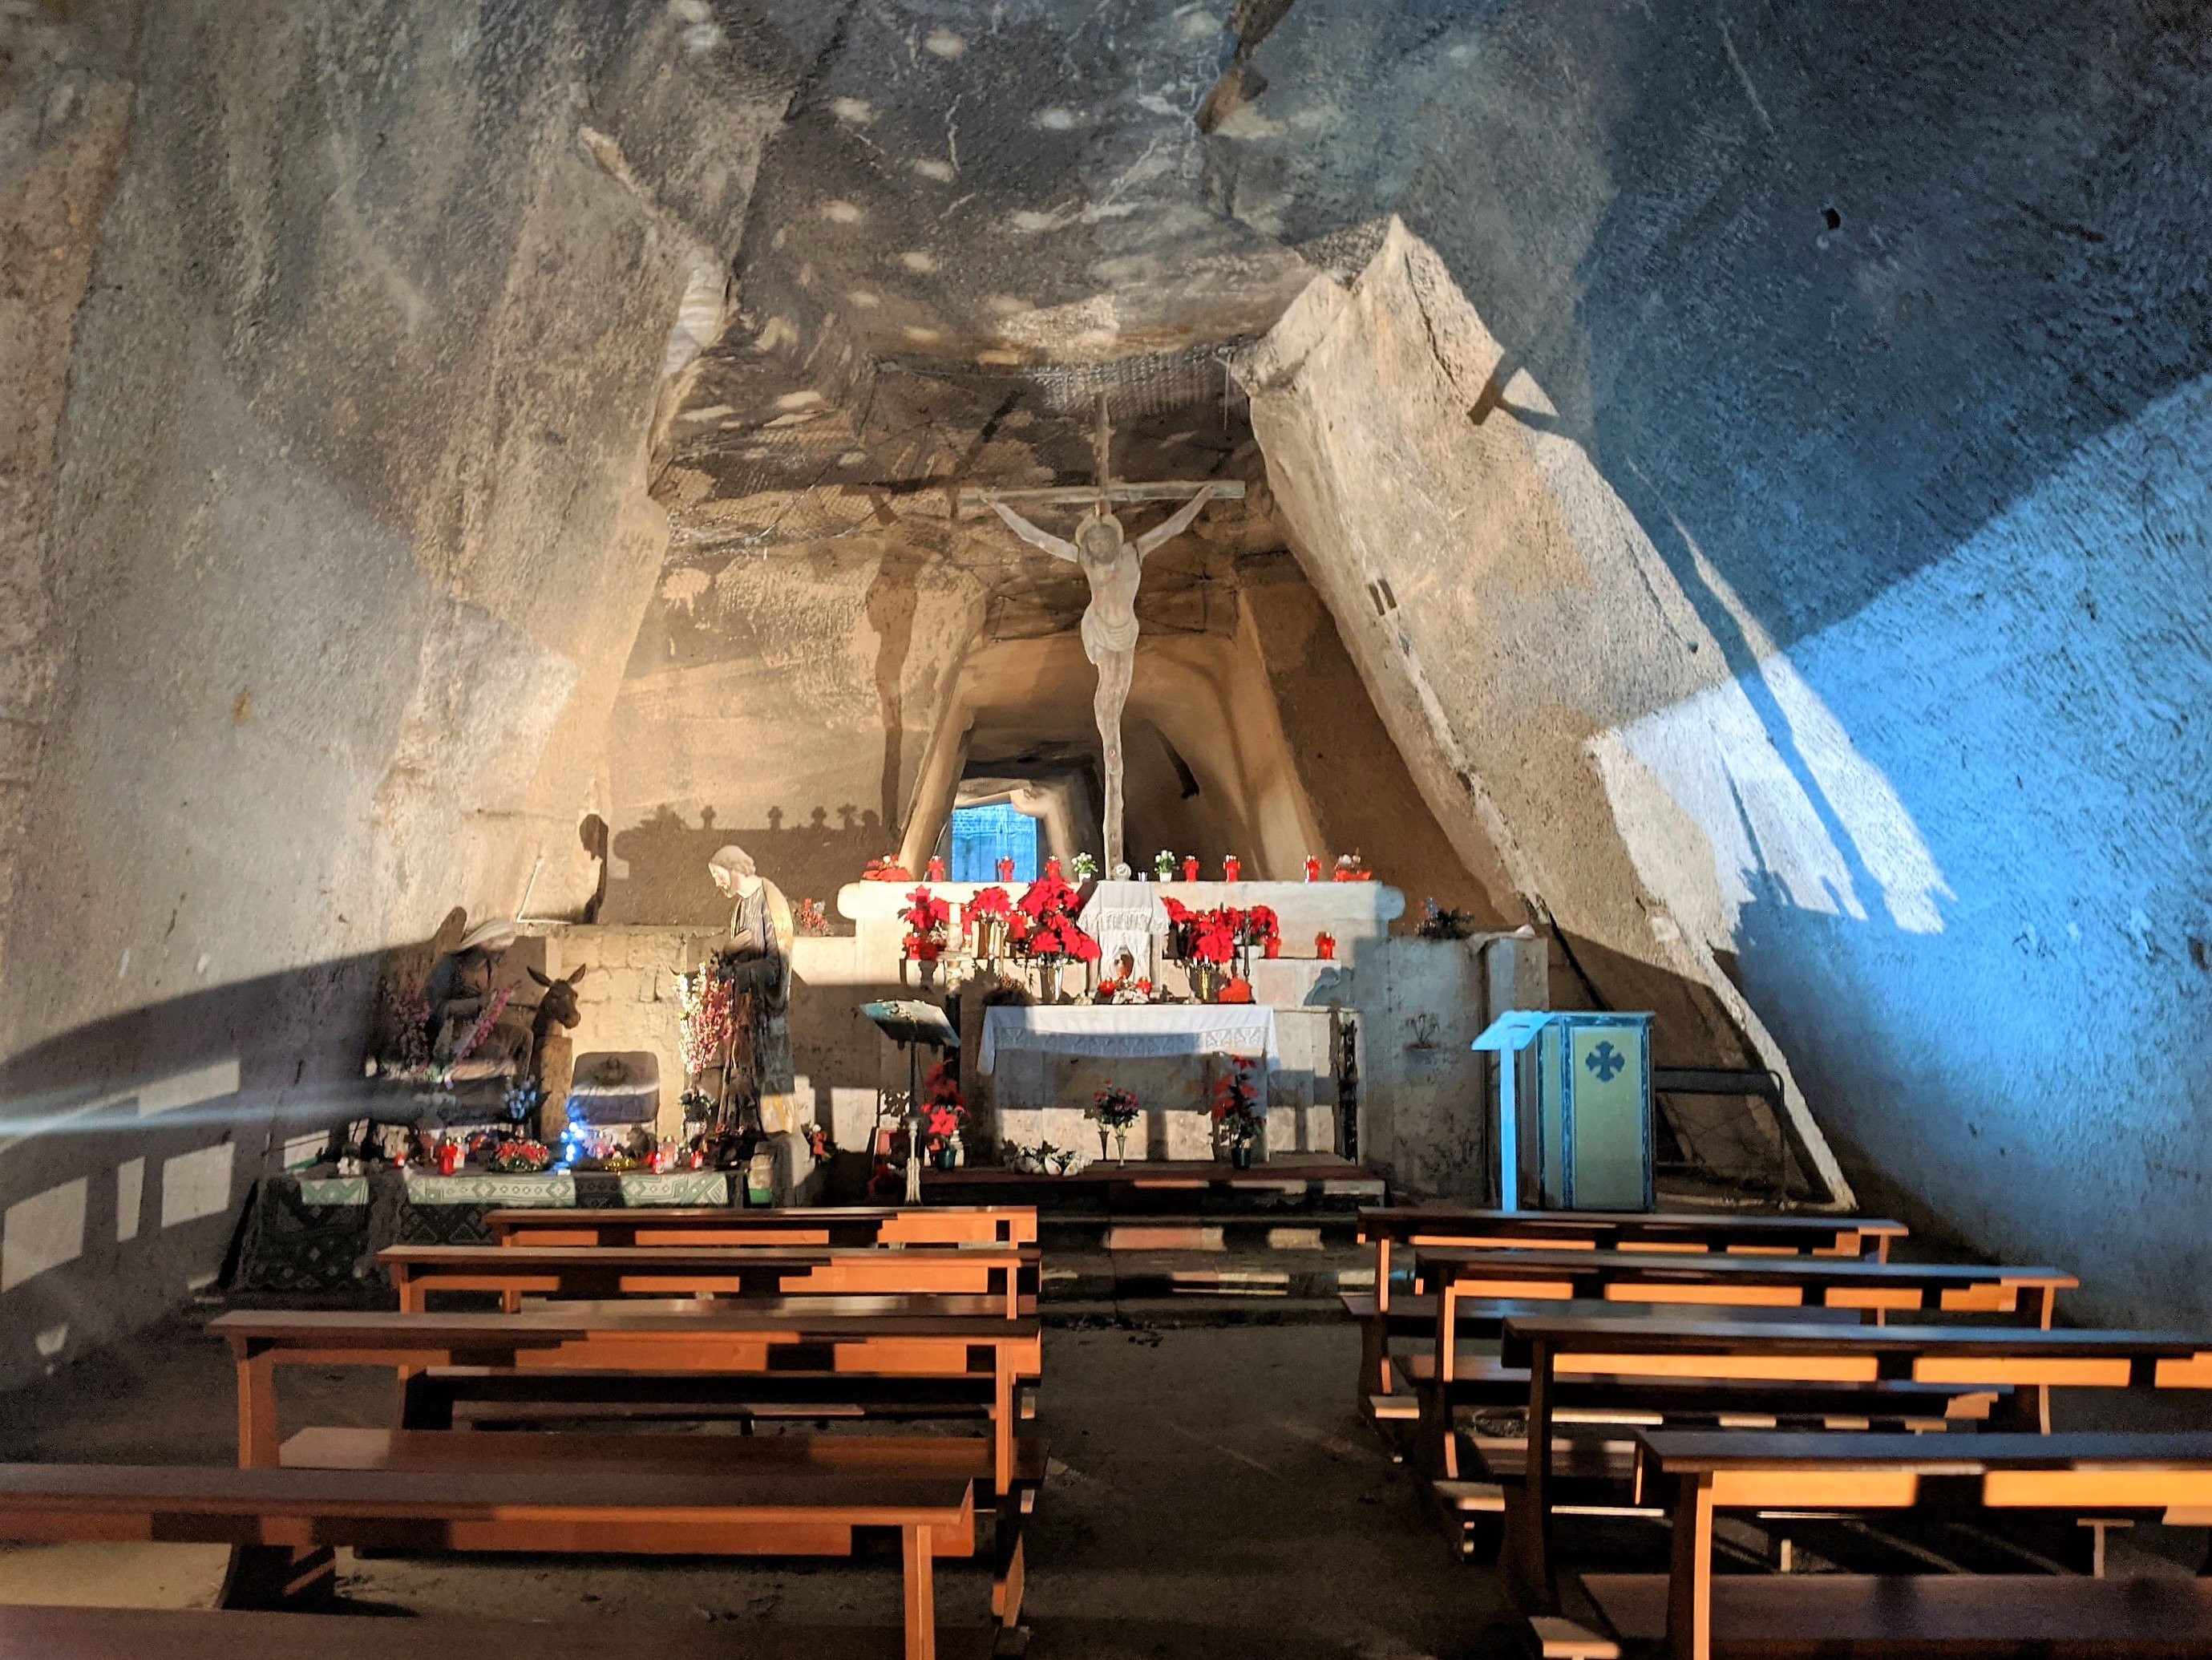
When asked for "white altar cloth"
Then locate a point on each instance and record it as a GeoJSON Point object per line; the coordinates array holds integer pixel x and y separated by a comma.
{"type": "Point", "coordinates": [1116, 1029]}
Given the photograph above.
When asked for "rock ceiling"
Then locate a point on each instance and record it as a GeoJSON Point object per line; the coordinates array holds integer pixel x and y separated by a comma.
{"type": "Point", "coordinates": [974, 221]}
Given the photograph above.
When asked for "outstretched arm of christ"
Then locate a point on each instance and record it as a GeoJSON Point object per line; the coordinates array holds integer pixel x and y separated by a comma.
{"type": "Point", "coordinates": [1174, 525]}
{"type": "Point", "coordinates": [1036, 537]}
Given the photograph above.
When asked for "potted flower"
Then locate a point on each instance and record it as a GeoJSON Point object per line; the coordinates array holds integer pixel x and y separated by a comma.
{"type": "Point", "coordinates": [520, 1157]}
{"type": "Point", "coordinates": [1213, 947]}
{"type": "Point", "coordinates": [1045, 931]}
{"type": "Point", "coordinates": [1238, 1116]}
{"type": "Point", "coordinates": [1164, 866]}
{"type": "Point", "coordinates": [1115, 1109]}
{"type": "Point", "coordinates": [944, 1110]}
{"type": "Point", "coordinates": [927, 918]}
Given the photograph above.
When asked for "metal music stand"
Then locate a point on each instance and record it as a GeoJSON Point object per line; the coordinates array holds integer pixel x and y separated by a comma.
{"type": "Point", "coordinates": [910, 1024]}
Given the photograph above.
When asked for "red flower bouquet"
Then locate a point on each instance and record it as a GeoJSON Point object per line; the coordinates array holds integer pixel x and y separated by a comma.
{"type": "Point", "coordinates": [927, 919]}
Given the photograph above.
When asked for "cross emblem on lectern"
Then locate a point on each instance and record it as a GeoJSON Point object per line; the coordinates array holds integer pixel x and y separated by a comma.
{"type": "Point", "coordinates": [1606, 1061]}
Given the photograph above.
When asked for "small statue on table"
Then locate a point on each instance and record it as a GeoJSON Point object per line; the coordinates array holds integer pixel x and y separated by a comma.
{"type": "Point", "coordinates": [471, 1041]}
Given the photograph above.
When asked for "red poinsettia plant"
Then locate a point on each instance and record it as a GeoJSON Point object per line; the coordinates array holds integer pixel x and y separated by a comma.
{"type": "Point", "coordinates": [1044, 925]}
{"type": "Point", "coordinates": [927, 919]}
{"type": "Point", "coordinates": [987, 904]}
{"type": "Point", "coordinates": [944, 1109]}
{"type": "Point", "coordinates": [1237, 1107]}
{"type": "Point", "coordinates": [1213, 938]}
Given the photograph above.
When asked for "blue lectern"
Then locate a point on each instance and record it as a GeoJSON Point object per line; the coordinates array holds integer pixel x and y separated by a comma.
{"type": "Point", "coordinates": [1592, 1084]}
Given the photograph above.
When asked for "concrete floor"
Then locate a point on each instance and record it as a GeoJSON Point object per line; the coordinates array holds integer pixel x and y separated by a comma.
{"type": "Point", "coordinates": [1212, 1494]}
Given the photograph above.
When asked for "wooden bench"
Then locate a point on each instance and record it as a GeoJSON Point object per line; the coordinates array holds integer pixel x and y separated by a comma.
{"type": "Point", "coordinates": [797, 1345]}
{"type": "Point", "coordinates": [594, 1272]}
{"type": "Point", "coordinates": [70, 1633]}
{"type": "Point", "coordinates": [715, 1224]}
{"type": "Point", "coordinates": [2162, 1477]}
{"type": "Point", "coordinates": [1391, 1228]}
{"type": "Point", "coordinates": [282, 1525]}
{"type": "Point", "coordinates": [755, 1457]}
{"type": "Point", "coordinates": [1872, 1289]}
{"type": "Point", "coordinates": [1682, 1359]}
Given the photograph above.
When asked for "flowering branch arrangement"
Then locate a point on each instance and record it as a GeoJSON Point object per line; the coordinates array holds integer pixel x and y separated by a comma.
{"type": "Point", "coordinates": [404, 1017]}
{"type": "Point", "coordinates": [1132, 990]}
{"type": "Point", "coordinates": [927, 918]}
{"type": "Point", "coordinates": [477, 1033]}
{"type": "Point", "coordinates": [706, 1021]}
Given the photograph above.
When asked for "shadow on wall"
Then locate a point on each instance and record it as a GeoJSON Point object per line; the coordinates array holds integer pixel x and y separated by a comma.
{"type": "Point", "coordinates": [659, 874]}
{"type": "Point", "coordinates": [127, 1145]}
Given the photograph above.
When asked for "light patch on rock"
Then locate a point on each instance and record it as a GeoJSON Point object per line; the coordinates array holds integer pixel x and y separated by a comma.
{"type": "Point", "coordinates": [1128, 269]}
{"type": "Point", "coordinates": [1080, 325]}
{"type": "Point", "coordinates": [1055, 119]}
{"type": "Point", "coordinates": [863, 298]}
{"type": "Point", "coordinates": [1029, 222]}
{"type": "Point", "coordinates": [702, 38]}
{"type": "Point", "coordinates": [1001, 357]}
{"type": "Point", "coordinates": [943, 43]}
{"type": "Point", "coordinates": [805, 398]}
{"type": "Point", "coordinates": [923, 336]}
{"type": "Point", "coordinates": [1006, 305]}
{"type": "Point", "coordinates": [685, 587]}
{"type": "Point", "coordinates": [692, 11]}
{"type": "Point", "coordinates": [1198, 23]}
{"type": "Point", "coordinates": [918, 262]}
{"type": "Point", "coordinates": [838, 212]}
{"type": "Point", "coordinates": [712, 412]}
{"type": "Point", "coordinates": [930, 167]}
{"type": "Point", "coordinates": [1246, 122]}
{"type": "Point", "coordinates": [780, 331]}
{"type": "Point", "coordinates": [856, 111]}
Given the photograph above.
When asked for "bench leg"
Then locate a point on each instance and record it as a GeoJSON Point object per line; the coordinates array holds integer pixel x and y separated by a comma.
{"type": "Point", "coordinates": [921, 1595]}
{"type": "Point", "coordinates": [1690, 1584]}
{"type": "Point", "coordinates": [1374, 1360]}
{"type": "Point", "coordinates": [425, 1403]}
{"type": "Point", "coordinates": [1009, 1563]}
{"type": "Point", "coordinates": [277, 1577]}
{"type": "Point", "coordinates": [257, 1412]}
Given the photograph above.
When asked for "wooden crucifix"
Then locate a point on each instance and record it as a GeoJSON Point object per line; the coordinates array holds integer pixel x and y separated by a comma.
{"type": "Point", "coordinates": [1114, 566]}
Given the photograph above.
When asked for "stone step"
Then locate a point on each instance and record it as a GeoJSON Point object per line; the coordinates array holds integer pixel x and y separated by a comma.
{"type": "Point", "coordinates": [1335, 1187]}
{"type": "Point", "coordinates": [1251, 1276]}
{"type": "Point", "coordinates": [1173, 1313]}
{"type": "Point", "coordinates": [1307, 1231]}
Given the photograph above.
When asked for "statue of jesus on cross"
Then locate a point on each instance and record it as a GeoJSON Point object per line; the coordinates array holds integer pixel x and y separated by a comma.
{"type": "Point", "coordinates": [1114, 566]}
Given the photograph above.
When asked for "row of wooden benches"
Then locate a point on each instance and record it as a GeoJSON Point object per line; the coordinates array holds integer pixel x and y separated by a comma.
{"type": "Point", "coordinates": [809, 1316]}
{"type": "Point", "coordinates": [1629, 1348]}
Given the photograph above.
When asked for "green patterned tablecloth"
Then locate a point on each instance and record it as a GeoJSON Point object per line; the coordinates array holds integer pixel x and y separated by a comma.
{"type": "Point", "coordinates": [309, 1235]}
{"type": "Point", "coordinates": [492, 1190]}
